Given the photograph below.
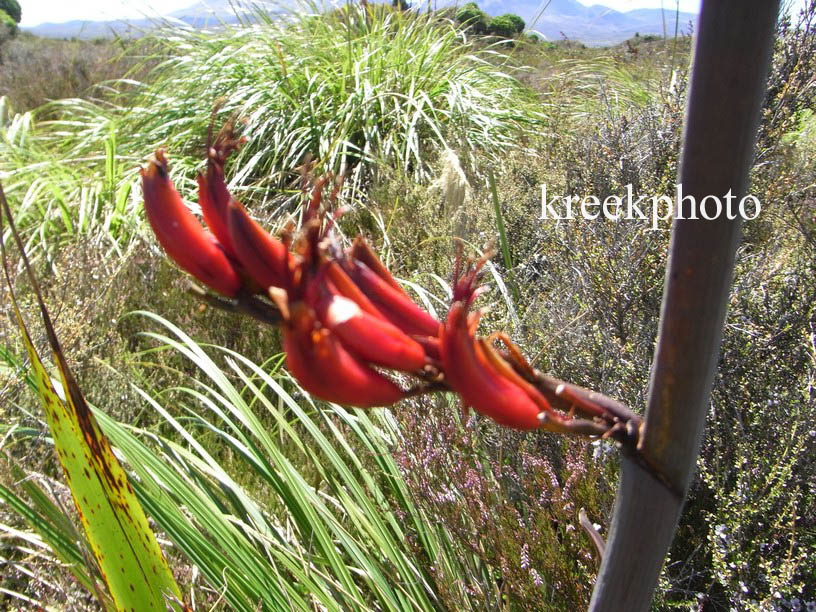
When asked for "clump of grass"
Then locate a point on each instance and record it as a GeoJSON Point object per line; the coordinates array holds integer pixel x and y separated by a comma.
{"type": "Point", "coordinates": [355, 88]}
{"type": "Point", "coordinates": [361, 84]}
{"type": "Point", "coordinates": [62, 195]}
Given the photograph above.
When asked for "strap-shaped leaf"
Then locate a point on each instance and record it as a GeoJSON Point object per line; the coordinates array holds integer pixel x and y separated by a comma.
{"type": "Point", "coordinates": [126, 550]}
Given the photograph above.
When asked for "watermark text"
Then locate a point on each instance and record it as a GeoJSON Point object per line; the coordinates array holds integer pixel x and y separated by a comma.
{"type": "Point", "coordinates": [653, 210]}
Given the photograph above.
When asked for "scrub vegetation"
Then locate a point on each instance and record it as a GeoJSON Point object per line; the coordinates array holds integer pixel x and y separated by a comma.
{"type": "Point", "coordinates": [263, 498]}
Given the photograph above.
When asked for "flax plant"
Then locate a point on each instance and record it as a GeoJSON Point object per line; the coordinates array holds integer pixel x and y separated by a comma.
{"type": "Point", "coordinates": [312, 511]}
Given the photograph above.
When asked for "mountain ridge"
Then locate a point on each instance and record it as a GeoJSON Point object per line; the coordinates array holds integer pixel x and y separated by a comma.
{"type": "Point", "coordinates": [593, 24]}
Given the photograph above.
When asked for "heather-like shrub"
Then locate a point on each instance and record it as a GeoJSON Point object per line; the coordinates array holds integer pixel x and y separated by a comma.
{"type": "Point", "coordinates": [30, 63]}
{"type": "Point", "coordinates": [790, 84]}
{"type": "Point", "coordinates": [511, 502]}
{"type": "Point", "coordinates": [588, 310]}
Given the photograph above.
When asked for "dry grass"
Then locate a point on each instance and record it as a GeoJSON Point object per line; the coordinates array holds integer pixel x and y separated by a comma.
{"type": "Point", "coordinates": [37, 70]}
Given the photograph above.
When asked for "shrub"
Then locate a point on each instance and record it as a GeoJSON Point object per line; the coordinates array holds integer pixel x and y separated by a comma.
{"type": "Point", "coordinates": [507, 25]}
{"type": "Point", "coordinates": [521, 494]}
{"type": "Point", "coordinates": [474, 17]}
{"type": "Point", "coordinates": [12, 8]}
{"type": "Point", "coordinates": [30, 64]}
{"type": "Point", "coordinates": [790, 83]}
{"type": "Point", "coordinates": [500, 26]}
{"type": "Point", "coordinates": [8, 27]}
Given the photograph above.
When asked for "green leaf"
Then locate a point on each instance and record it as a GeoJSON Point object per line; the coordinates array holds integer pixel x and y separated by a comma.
{"type": "Point", "coordinates": [126, 550]}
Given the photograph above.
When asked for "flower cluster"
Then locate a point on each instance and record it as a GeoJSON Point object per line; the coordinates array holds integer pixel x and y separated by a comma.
{"type": "Point", "coordinates": [346, 322]}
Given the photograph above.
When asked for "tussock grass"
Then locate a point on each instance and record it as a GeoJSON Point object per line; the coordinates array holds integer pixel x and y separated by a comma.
{"type": "Point", "coordinates": [352, 89]}
{"type": "Point", "coordinates": [61, 190]}
{"type": "Point", "coordinates": [362, 84]}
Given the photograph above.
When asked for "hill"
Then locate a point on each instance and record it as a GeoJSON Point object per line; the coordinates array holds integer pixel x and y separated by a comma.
{"type": "Point", "coordinates": [593, 25]}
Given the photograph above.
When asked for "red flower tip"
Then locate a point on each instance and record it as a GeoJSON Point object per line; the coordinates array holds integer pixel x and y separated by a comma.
{"type": "Point", "coordinates": [193, 248]}
{"type": "Point", "coordinates": [471, 370]}
{"type": "Point", "coordinates": [393, 303]}
{"type": "Point", "coordinates": [370, 337]}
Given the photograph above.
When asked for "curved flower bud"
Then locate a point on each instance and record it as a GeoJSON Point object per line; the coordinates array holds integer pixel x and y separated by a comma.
{"type": "Point", "coordinates": [470, 373]}
{"type": "Point", "coordinates": [193, 248]}
{"type": "Point", "coordinates": [265, 259]}
{"type": "Point", "coordinates": [394, 304]}
{"type": "Point", "coordinates": [372, 339]}
{"type": "Point", "coordinates": [320, 363]}
{"type": "Point", "coordinates": [213, 195]}
{"type": "Point", "coordinates": [346, 287]}
{"type": "Point", "coordinates": [214, 199]}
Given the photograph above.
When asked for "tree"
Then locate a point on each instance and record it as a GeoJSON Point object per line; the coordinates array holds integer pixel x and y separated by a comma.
{"type": "Point", "coordinates": [518, 22]}
{"type": "Point", "coordinates": [8, 27]}
{"type": "Point", "coordinates": [471, 15]}
{"type": "Point", "coordinates": [507, 25]}
{"type": "Point", "coordinates": [12, 9]}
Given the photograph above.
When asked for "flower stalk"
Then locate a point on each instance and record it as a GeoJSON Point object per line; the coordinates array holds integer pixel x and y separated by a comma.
{"type": "Point", "coordinates": [351, 334]}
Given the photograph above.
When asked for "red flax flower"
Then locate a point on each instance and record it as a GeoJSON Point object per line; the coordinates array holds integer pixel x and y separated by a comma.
{"type": "Point", "coordinates": [333, 334]}
{"type": "Point", "coordinates": [484, 379]}
{"type": "Point", "coordinates": [368, 273]}
{"type": "Point", "coordinates": [325, 368]}
{"type": "Point", "coordinates": [187, 243]}
{"type": "Point", "coordinates": [365, 333]}
{"type": "Point", "coordinates": [263, 258]}
{"type": "Point", "coordinates": [346, 322]}
{"type": "Point", "coordinates": [213, 196]}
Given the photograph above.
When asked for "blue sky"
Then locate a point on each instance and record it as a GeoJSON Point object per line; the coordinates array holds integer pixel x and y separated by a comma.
{"type": "Point", "coordinates": [40, 11]}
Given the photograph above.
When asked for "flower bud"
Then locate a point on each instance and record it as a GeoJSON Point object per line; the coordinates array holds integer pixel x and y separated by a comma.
{"type": "Point", "coordinates": [266, 260]}
{"type": "Point", "coordinates": [470, 372]}
{"type": "Point", "coordinates": [183, 238]}
{"type": "Point", "coordinates": [324, 368]}
{"type": "Point", "coordinates": [372, 339]}
{"type": "Point", "coordinates": [394, 304]}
